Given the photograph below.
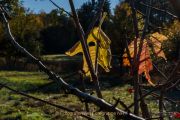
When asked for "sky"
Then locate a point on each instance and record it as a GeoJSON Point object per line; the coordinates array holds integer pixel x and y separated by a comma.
{"type": "Point", "coordinates": [47, 6]}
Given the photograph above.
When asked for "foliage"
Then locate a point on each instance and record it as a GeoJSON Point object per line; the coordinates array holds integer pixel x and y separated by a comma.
{"type": "Point", "coordinates": [120, 23]}
{"type": "Point", "coordinates": [58, 34]}
{"type": "Point", "coordinates": [89, 9]}
{"type": "Point", "coordinates": [172, 45]}
{"type": "Point", "coordinates": [27, 81]}
{"type": "Point", "coordinates": [10, 5]}
{"type": "Point", "coordinates": [157, 17]}
{"type": "Point", "coordinates": [25, 28]}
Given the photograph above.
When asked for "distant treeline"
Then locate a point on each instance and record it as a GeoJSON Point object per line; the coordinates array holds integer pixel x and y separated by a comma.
{"type": "Point", "coordinates": [55, 32]}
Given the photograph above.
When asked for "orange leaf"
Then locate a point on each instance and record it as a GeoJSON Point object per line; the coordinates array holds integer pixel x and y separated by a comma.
{"type": "Point", "coordinates": [144, 63]}
{"type": "Point", "coordinates": [156, 40]}
{"type": "Point", "coordinates": [131, 51]}
{"type": "Point", "coordinates": [142, 60]}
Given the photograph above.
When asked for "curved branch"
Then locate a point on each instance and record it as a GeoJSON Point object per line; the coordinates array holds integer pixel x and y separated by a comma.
{"type": "Point", "coordinates": [98, 102]}
{"type": "Point", "coordinates": [58, 106]}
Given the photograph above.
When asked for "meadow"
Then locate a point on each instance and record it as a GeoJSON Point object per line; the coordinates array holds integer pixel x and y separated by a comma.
{"type": "Point", "coordinates": [14, 106]}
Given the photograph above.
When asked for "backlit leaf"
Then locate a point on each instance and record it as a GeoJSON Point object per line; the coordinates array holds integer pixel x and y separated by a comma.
{"type": "Point", "coordinates": [156, 40]}
{"type": "Point", "coordinates": [143, 63]}
{"type": "Point", "coordinates": [142, 60]}
{"type": "Point", "coordinates": [104, 54]}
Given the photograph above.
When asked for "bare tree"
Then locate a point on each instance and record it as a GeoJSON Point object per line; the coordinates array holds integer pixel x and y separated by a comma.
{"type": "Point", "coordinates": [104, 106]}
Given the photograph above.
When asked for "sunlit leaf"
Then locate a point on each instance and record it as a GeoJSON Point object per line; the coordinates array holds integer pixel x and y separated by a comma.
{"type": "Point", "coordinates": [104, 55]}
{"type": "Point", "coordinates": [142, 60]}
{"type": "Point", "coordinates": [156, 40]}
{"type": "Point", "coordinates": [142, 64]}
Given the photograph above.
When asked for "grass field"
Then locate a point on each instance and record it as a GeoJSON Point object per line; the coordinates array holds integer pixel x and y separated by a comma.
{"type": "Point", "coordinates": [62, 57]}
{"type": "Point", "coordinates": [14, 106]}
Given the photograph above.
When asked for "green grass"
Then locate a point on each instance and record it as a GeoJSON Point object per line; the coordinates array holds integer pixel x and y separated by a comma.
{"type": "Point", "coordinates": [62, 57]}
{"type": "Point", "coordinates": [14, 106]}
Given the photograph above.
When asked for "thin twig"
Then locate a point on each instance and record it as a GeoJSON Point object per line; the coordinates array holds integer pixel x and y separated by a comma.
{"type": "Point", "coordinates": [165, 98]}
{"type": "Point", "coordinates": [5, 11]}
{"type": "Point", "coordinates": [86, 50]}
{"type": "Point", "coordinates": [175, 85]}
{"type": "Point", "coordinates": [81, 75]}
{"type": "Point", "coordinates": [164, 75]}
{"type": "Point", "coordinates": [127, 50]}
{"type": "Point", "coordinates": [44, 85]}
{"type": "Point", "coordinates": [150, 24]}
{"type": "Point", "coordinates": [136, 76]}
{"type": "Point", "coordinates": [62, 9]}
{"type": "Point", "coordinates": [123, 105]}
{"type": "Point", "coordinates": [94, 20]}
{"type": "Point", "coordinates": [83, 43]}
{"type": "Point", "coordinates": [149, 6]}
{"type": "Point", "coordinates": [163, 90]}
{"type": "Point", "coordinates": [154, 89]}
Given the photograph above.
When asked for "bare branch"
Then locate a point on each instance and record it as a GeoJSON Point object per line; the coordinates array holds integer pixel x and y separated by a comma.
{"type": "Point", "coordinates": [165, 77]}
{"type": "Point", "coordinates": [5, 11]}
{"type": "Point", "coordinates": [146, 21]}
{"type": "Point", "coordinates": [127, 50]}
{"type": "Point", "coordinates": [123, 105]}
{"type": "Point", "coordinates": [44, 85]}
{"type": "Point", "coordinates": [169, 116]}
{"type": "Point", "coordinates": [165, 86]}
{"type": "Point", "coordinates": [144, 108]}
{"type": "Point", "coordinates": [83, 43]}
{"type": "Point", "coordinates": [96, 60]}
{"type": "Point", "coordinates": [154, 89]}
{"type": "Point", "coordinates": [94, 20]}
{"type": "Point", "coordinates": [165, 98]}
{"type": "Point", "coordinates": [136, 76]}
{"type": "Point", "coordinates": [62, 9]}
{"type": "Point", "coordinates": [87, 53]}
{"type": "Point", "coordinates": [149, 6]}
{"type": "Point", "coordinates": [81, 75]}
{"type": "Point", "coordinates": [173, 85]}
{"type": "Point", "coordinates": [150, 24]}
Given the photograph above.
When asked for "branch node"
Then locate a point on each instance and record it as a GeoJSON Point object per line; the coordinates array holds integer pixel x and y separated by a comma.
{"type": "Point", "coordinates": [117, 101]}
{"type": "Point", "coordinates": [2, 86]}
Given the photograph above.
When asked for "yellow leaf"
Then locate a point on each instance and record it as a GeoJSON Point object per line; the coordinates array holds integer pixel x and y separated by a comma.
{"type": "Point", "coordinates": [104, 54]}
